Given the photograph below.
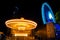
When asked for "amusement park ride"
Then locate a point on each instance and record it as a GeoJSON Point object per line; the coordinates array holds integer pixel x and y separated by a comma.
{"type": "Point", "coordinates": [49, 19]}
{"type": "Point", "coordinates": [21, 28]}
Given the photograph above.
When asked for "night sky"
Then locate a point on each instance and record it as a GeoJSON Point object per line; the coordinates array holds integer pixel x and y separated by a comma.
{"type": "Point", "coordinates": [28, 9]}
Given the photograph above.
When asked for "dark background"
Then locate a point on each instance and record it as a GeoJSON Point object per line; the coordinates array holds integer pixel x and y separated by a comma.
{"type": "Point", "coordinates": [29, 9]}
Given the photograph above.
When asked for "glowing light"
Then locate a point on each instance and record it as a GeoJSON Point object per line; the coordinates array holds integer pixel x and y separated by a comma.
{"type": "Point", "coordinates": [50, 30]}
{"type": "Point", "coordinates": [47, 13]}
{"type": "Point", "coordinates": [56, 34]}
{"type": "Point", "coordinates": [21, 34]}
{"type": "Point", "coordinates": [50, 15]}
{"type": "Point", "coordinates": [1, 32]}
{"type": "Point", "coordinates": [21, 27]}
{"type": "Point", "coordinates": [21, 23]}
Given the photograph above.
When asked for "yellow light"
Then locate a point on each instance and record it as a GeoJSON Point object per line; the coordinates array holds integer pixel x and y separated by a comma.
{"type": "Point", "coordinates": [21, 34]}
{"type": "Point", "coordinates": [21, 27]}
{"type": "Point", "coordinates": [21, 23]}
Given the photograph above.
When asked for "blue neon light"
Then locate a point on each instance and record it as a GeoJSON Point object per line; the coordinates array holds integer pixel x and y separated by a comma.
{"type": "Point", "coordinates": [50, 15]}
{"type": "Point", "coordinates": [47, 13]}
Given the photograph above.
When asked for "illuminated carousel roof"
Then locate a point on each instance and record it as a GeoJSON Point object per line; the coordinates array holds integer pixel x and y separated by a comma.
{"type": "Point", "coordinates": [21, 24]}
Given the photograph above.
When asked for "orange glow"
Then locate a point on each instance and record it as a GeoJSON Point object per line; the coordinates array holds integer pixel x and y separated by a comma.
{"type": "Point", "coordinates": [21, 27]}
{"type": "Point", "coordinates": [21, 34]}
{"type": "Point", "coordinates": [21, 23]}
{"type": "Point", "coordinates": [1, 33]}
{"type": "Point", "coordinates": [50, 30]}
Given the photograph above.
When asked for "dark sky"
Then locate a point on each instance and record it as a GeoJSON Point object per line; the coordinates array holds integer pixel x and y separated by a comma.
{"type": "Point", "coordinates": [28, 9]}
